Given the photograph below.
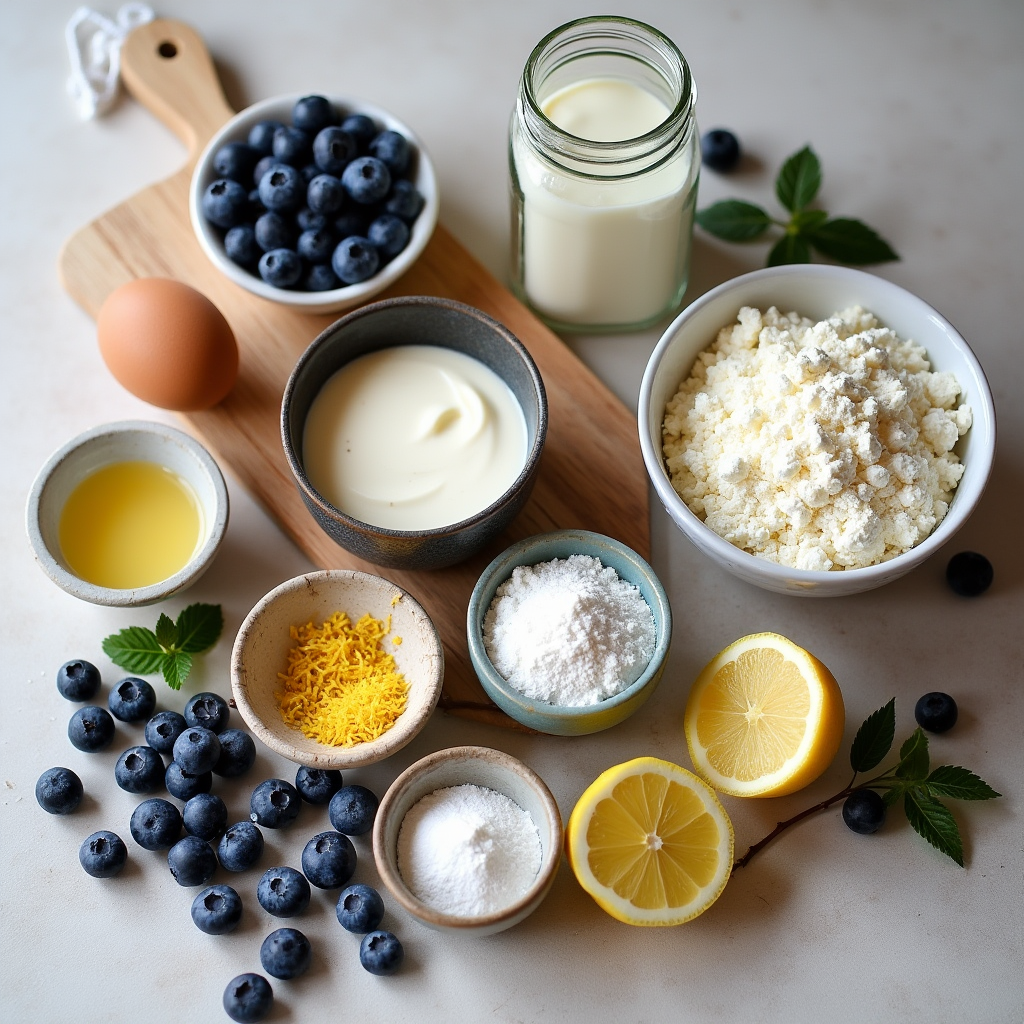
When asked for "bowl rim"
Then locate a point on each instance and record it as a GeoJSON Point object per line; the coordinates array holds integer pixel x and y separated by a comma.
{"type": "Point", "coordinates": [462, 922]}
{"type": "Point", "coordinates": [216, 515]}
{"type": "Point", "coordinates": [817, 582]}
{"type": "Point", "coordinates": [499, 570]}
{"type": "Point", "coordinates": [335, 299]}
{"type": "Point", "coordinates": [331, 511]}
{"type": "Point", "coordinates": [362, 754]}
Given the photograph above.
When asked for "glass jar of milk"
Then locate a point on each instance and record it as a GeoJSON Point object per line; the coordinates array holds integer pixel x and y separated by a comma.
{"type": "Point", "coordinates": [604, 159]}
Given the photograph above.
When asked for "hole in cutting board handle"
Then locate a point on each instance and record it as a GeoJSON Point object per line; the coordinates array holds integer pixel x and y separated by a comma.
{"type": "Point", "coordinates": [167, 50]}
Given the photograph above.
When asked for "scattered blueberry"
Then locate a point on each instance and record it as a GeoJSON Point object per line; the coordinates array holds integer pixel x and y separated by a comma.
{"type": "Point", "coordinates": [286, 953]}
{"type": "Point", "coordinates": [969, 574]}
{"type": "Point", "coordinates": [320, 278]}
{"type": "Point", "coordinates": [719, 150]}
{"type": "Point", "coordinates": [103, 854]}
{"type": "Point", "coordinates": [283, 892]}
{"type": "Point", "coordinates": [139, 770]}
{"type": "Point", "coordinates": [274, 803]}
{"type": "Point", "coordinates": [360, 909]}
{"type": "Point", "coordinates": [273, 231]}
{"type": "Point", "coordinates": [225, 202]}
{"type": "Point", "coordinates": [205, 815]}
{"type": "Point", "coordinates": [91, 728]}
{"type": "Point", "coordinates": [183, 785]}
{"type": "Point", "coordinates": [207, 711]}
{"type": "Point", "coordinates": [352, 810]}
{"type": "Point", "coordinates": [392, 150]}
{"type": "Point", "coordinates": [261, 136]}
{"type": "Point", "coordinates": [280, 268]}
{"type": "Point", "coordinates": [155, 824]}
{"type": "Point", "coordinates": [292, 145]}
{"type": "Point", "coordinates": [333, 149]}
{"type": "Point", "coordinates": [366, 179]}
{"type": "Point", "coordinates": [248, 998]}
{"type": "Point", "coordinates": [355, 259]}
{"type": "Point", "coordinates": [196, 750]}
{"type": "Point", "coordinates": [237, 753]}
{"type": "Point", "coordinates": [325, 194]}
{"type": "Point", "coordinates": [381, 953]}
{"type": "Point", "coordinates": [235, 160]}
{"type": "Point", "coordinates": [78, 680]}
{"type": "Point", "coordinates": [59, 791]}
{"type": "Point", "coordinates": [936, 712]}
{"type": "Point", "coordinates": [192, 861]}
{"type": "Point", "coordinates": [864, 811]}
{"type": "Point", "coordinates": [282, 188]}
{"type": "Point", "coordinates": [217, 910]}
{"type": "Point", "coordinates": [360, 127]}
{"type": "Point", "coordinates": [163, 729]}
{"type": "Point", "coordinates": [317, 785]}
{"type": "Point", "coordinates": [316, 246]}
{"type": "Point", "coordinates": [132, 700]}
{"type": "Point", "coordinates": [390, 234]}
{"type": "Point", "coordinates": [240, 846]}
{"type": "Point", "coordinates": [405, 201]}
{"type": "Point", "coordinates": [329, 860]}
{"type": "Point", "coordinates": [313, 113]}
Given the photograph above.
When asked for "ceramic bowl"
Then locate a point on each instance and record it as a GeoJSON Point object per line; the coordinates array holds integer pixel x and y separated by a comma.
{"type": "Point", "coordinates": [279, 108]}
{"type": "Point", "coordinates": [474, 766]}
{"type": "Point", "coordinates": [261, 649]}
{"type": "Point", "coordinates": [428, 321]}
{"type": "Point", "coordinates": [553, 718]}
{"type": "Point", "coordinates": [816, 291]}
{"type": "Point", "coordinates": [130, 440]}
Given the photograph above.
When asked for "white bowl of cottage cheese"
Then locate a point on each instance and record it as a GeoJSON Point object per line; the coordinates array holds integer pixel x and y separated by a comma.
{"type": "Point", "coordinates": [816, 430]}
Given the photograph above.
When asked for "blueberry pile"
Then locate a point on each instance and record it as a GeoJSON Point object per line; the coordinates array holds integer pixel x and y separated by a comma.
{"type": "Point", "coordinates": [322, 203]}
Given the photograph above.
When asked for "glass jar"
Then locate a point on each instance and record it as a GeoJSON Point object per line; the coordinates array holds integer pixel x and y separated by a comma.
{"type": "Point", "coordinates": [601, 230]}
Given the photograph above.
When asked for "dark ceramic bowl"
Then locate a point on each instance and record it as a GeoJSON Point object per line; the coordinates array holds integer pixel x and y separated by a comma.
{"type": "Point", "coordinates": [412, 320]}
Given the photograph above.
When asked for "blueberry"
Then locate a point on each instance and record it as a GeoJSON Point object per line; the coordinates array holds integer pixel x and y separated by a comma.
{"type": "Point", "coordinates": [192, 861]}
{"type": "Point", "coordinates": [316, 246]}
{"type": "Point", "coordinates": [240, 246]}
{"type": "Point", "coordinates": [261, 136]}
{"type": "Point", "coordinates": [969, 574]}
{"type": "Point", "coordinates": [360, 909]}
{"type": "Point", "coordinates": [307, 220]}
{"type": "Point", "coordinates": [103, 854]}
{"type": "Point", "coordinates": [132, 700]}
{"type": "Point", "coordinates": [283, 892]}
{"type": "Point", "coordinates": [274, 803]}
{"type": "Point", "coordinates": [207, 711]}
{"type": "Point", "coordinates": [313, 113]}
{"type": "Point", "coordinates": [392, 150]}
{"type": "Point", "coordinates": [325, 194]}
{"type": "Point", "coordinates": [381, 953]}
{"type": "Point", "coordinates": [205, 815]}
{"type": "Point", "coordinates": [286, 953]}
{"type": "Point", "coordinates": [390, 234]}
{"type": "Point", "coordinates": [256, 206]}
{"type": "Point", "coordinates": [352, 222]}
{"type": "Point", "coordinates": [317, 785]}
{"type": "Point", "coordinates": [217, 910]}
{"type": "Point", "coordinates": [235, 160]}
{"type": "Point", "coordinates": [273, 231]}
{"type": "Point", "coordinates": [155, 824]}
{"type": "Point", "coordinates": [936, 712]}
{"type": "Point", "coordinates": [361, 127]}
{"type": "Point", "coordinates": [263, 165]}
{"type": "Point", "coordinates": [864, 811]}
{"type": "Point", "coordinates": [237, 753]}
{"type": "Point", "coordinates": [184, 786]}
{"type": "Point", "coordinates": [248, 998]}
{"type": "Point", "coordinates": [404, 201]}
{"type": "Point", "coordinates": [282, 188]}
{"type": "Point", "coordinates": [366, 180]}
{"type": "Point", "coordinates": [196, 750]}
{"type": "Point", "coordinates": [292, 145]}
{"type": "Point", "coordinates": [59, 790]}
{"type": "Point", "coordinates": [78, 680]}
{"type": "Point", "coordinates": [91, 729]}
{"type": "Point", "coordinates": [139, 770]}
{"type": "Point", "coordinates": [225, 202]}
{"type": "Point", "coordinates": [352, 810]}
{"type": "Point", "coordinates": [355, 259]}
{"type": "Point", "coordinates": [320, 278]}
{"type": "Point", "coordinates": [280, 268]}
{"type": "Point", "coordinates": [719, 150]}
{"type": "Point", "coordinates": [329, 860]}
{"type": "Point", "coordinates": [163, 729]}
{"type": "Point", "coordinates": [334, 149]}
{"type": "Point", "coordinates": [240, 846]}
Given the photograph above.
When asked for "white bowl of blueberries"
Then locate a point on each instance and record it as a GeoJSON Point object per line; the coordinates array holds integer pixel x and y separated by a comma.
{"type": "Point", "coordinates": [313, 202]}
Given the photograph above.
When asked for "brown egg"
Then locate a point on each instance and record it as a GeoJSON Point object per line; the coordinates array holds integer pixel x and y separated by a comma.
{"type": "Point", "coordinates": [167, 344]}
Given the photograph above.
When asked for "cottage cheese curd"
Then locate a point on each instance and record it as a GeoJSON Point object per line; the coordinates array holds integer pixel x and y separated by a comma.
{"type": "Point", "coordinates": [818, 446]}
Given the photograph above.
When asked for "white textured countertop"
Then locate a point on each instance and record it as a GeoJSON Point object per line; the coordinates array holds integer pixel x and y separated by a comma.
{"type": "Point", "coordinates": [914, 107]}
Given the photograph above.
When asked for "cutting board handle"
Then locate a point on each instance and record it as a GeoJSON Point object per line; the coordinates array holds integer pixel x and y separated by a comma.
{"type": "Point", "coordinates": [165, 65]}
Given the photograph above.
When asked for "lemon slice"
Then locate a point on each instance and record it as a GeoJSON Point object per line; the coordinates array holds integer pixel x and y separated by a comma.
{"type": "Point", "coordinates": [764, 718]}
{"type": "Point", "coordinates": [650, 842]}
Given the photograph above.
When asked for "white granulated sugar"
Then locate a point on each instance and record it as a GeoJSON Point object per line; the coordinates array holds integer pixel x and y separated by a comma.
{"type": "Point", "coordinates": [468, 850]}
{"type": "Point", "coordinates": [819, 446]}
{"type": "Point", "coordinates": [569, 631]}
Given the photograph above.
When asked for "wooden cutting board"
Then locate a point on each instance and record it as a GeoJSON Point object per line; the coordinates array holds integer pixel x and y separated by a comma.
{"type": "Point", "coordinates": [591, 475]}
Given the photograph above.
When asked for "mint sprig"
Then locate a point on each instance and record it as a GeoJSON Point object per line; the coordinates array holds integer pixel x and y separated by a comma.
{"type": "Point", "coordinates": [843, 239]}
{"type": "Point", "coordinates": [169, 647]}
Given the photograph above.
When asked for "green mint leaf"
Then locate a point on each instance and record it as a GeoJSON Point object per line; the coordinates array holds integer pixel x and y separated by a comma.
{"type": "Point", "coordinates": [799, 180]}
{"type": "Point", "coordinates": [734, 220]}
{"type": "Point", "coordinates": [959, 784]}
{"type": "Point", "coordinates": [913, 764]}
{"type": "Point", "coordinates": [932, 820]}
{"type": "Point", "coordinates": [789, 249]}
{"type": "Point", "coordinates": [804, 219]}
{"type": "Point", "coordinates": [874, 738]}
{"type": "Point", "coordinates": [136, 649]}
{"type": "Point", "coordinates": [850, 241]}
{"type": "Point", "coordinates": [176, 668]}
{"type": "Point", "coordinates": [166, 632]}
{"type": "Point", "coordinates": [199, 627]}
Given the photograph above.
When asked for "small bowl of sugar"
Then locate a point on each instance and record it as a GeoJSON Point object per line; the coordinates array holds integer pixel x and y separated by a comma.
{"type": "Point", "coordinates": [568, 631]}
{"type": "Point", "coordinates": [468, 840]}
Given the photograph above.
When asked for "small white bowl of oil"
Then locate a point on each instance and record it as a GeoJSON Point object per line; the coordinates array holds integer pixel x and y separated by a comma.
{"type": "Point", "coordinates": [127, 514]}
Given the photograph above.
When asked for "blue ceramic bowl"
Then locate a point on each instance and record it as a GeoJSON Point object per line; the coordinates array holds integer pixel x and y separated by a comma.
{"type": "Point", "coordinates": [554, 718]}
{"type": "Point", "coordinates": [406, 321]}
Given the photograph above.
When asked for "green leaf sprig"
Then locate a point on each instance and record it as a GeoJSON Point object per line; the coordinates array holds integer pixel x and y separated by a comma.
{"type": "Point", "coordinates": [169, 648]}
{"type": "Point", "coordinates": [843, 239]}
{"type": "Point", "coordinates": [908, 780]}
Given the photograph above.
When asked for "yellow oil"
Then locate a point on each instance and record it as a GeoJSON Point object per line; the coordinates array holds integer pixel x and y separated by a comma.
{"type": "Point", "coordinates": [130, 524]}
